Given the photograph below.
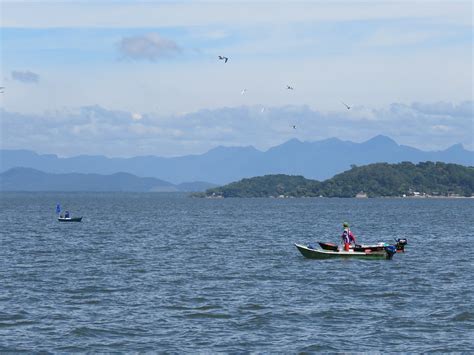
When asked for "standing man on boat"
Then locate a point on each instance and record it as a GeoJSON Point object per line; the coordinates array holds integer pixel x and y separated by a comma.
{"type": "Point", "coordinates": [347, 236]}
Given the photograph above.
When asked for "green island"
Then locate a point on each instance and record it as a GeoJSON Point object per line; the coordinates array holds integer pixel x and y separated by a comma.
{"type": "Point", "coordinates": [426, 179]}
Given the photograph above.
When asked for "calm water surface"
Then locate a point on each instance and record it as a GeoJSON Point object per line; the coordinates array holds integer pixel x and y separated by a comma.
{"type": "Point", "coordinates": [147, 272]}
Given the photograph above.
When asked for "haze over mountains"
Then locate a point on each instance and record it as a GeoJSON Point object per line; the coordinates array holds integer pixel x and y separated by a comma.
{"type": "Point", "coordinates": [314, 160]}
{"type": "Point", "coordinates": [28, 179]}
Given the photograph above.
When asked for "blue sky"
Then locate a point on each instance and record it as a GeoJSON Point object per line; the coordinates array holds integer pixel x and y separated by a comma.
{"type": "Point", "coordinates": [159, 60]}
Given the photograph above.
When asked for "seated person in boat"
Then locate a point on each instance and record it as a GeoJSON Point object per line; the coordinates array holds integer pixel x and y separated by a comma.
{"type": "Point", "coordinates": [66, 214]}
{"type": "Point", "coordinates": [347, 236]}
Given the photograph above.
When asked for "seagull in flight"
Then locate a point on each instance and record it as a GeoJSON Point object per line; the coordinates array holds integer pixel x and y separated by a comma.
{"type": "Point", "coordinates": [243, 91]}
{"type": "Point", "coordinates": [225, 59]}
{"type": "Point", "coordinates": [262, 110]}
{"type": "Point", "coordinates": [294, 126]}
{"type": "Point", "coordinates": [347, 106]}
{"type": "Point", "coordinates": [288, 87]}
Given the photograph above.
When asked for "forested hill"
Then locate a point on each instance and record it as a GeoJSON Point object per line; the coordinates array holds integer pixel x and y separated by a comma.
{"type": "Point", "coordinates": [375, 180]}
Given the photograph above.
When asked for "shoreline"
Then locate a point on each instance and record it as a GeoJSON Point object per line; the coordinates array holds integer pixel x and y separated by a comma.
{"type": "Point", "coordinates": [356, 198]}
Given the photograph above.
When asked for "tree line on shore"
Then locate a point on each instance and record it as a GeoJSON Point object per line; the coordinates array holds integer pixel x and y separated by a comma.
{"type": "Point", "coordinates": [374, 180]}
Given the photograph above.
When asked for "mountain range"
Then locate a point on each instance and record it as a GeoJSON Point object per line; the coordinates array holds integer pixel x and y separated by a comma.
{"type": "Point", "coordinates": [28, 179]}
{"type": "Point", "coordinates": [315, 160]}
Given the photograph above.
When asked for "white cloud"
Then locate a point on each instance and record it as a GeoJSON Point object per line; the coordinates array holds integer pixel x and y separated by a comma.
{"type": "Point", "coordinates": [95, 130]}
{"type": "Point", "coordinates": [463, 109]}
{"type": "Point", "coordinates": [26, 76]}
{"type": "Point", "coordinates": [150, 46]}
{"type": "Point", "coordinates": [136, 116]}
{"type": "Point", "coordinates": [443, 129]}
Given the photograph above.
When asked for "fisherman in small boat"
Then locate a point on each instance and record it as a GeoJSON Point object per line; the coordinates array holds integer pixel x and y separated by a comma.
{"type": "Point", "coordinates": [66, 214]}
{"type": "Point", "coordinates": [347, 236]}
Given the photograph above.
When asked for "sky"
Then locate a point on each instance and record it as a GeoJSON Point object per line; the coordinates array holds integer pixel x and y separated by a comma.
{"type": "Point", "coordinates": [125, 78]}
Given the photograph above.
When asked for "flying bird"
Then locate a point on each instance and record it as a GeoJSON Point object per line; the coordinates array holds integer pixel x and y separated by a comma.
{"type": "Point", "coordinates": [262, 110]}
{"type": "Point", "coordinates": [1, 89]}
{"type": "Point", "coordinates": [294, 126]}
{"type": "Point", "coordinates": [243, 91]}
{"type": "Point", "coordinates": [347, 106]}
{"type": "Point", "coordinates": [288, 87]}
{"type": "Point", "coordinates": [225, 59]}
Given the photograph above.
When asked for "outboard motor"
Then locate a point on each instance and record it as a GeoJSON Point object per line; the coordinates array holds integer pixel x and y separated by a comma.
{"type": "Point", "coordinates": [401, 242]}
{"type": "Point", "coordinates": [390, 250]}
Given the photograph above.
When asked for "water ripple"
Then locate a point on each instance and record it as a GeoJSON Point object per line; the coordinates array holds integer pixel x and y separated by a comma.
{"type": "Point", "coordinates": [189, 275]}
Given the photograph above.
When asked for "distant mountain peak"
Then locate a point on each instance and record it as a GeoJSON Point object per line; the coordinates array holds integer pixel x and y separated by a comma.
{"type": "Point", "coordinates": [455, 147]}
{"type": "Point", "coordinates": [292, 142]}
{"type": "Point", "coordinates": [291, 145]}
{"type": "Point", "coordinates": [381, 139]}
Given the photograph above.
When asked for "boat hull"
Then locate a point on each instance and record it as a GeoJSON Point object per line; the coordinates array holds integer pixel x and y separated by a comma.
{"type": "Point", "coordinates": [312, 253]}
{"type": "Point", "coordinates": [73, 219]}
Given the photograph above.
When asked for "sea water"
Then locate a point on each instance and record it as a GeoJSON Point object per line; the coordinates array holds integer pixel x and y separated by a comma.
{"type": "Point", "coordinates": [164, 272]}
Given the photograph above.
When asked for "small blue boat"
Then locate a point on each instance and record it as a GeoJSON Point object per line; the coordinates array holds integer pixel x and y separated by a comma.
{"type": "Point", "coordinates": [66, 217]}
